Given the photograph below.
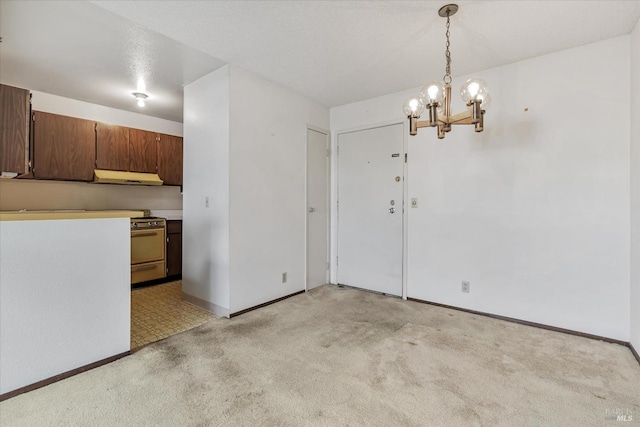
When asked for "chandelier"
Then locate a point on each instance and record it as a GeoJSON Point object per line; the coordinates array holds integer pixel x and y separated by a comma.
{"type": "Point", "coordinates": [435, 97]}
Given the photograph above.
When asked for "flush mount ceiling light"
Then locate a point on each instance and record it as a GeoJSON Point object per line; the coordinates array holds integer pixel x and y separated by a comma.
{"type": "Point", "coordinates": [140, 97]}
{"type": "Point", "coordinates": [436, 97]}
{"type": "Point", "coordinates": [140, 94]}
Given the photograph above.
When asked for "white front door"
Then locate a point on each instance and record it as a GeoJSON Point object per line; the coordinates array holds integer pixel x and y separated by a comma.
{"type": "Point", "coordinates": [370, 208]}
{"type": "Point", "coordinates": [317, 208]}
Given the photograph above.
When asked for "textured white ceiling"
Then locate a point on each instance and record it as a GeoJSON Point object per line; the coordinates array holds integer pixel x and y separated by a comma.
{"type": "Point", "coordinates": [81, 51]}
{"type": "Point", "coordinates": [338, 52]}
{"type": "Point", "coordinates": [334, 52]}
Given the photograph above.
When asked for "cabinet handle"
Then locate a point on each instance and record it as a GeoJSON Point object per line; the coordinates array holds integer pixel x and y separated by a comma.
{"type": "Point", "coordinates": [152, 233]}
{"type": "Point", "coordinates": [143, 268]}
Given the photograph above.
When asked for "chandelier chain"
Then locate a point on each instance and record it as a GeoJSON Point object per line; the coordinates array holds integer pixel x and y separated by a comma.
{"type": "Point", "coordinates": [447, 54]}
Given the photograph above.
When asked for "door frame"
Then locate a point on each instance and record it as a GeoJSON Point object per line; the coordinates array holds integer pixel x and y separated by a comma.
{"type": "Point", "coordinates": [405, 191]}
{"type": "Point", "coordinates": [328, 200]}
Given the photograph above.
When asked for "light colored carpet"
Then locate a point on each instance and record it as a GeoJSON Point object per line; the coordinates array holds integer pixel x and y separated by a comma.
{"type": "Point", "coordinates": [338, 356]}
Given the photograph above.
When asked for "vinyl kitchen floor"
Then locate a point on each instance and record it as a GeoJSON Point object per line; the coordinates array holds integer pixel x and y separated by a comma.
{"type": "Point", "coordinates": [158, 312]}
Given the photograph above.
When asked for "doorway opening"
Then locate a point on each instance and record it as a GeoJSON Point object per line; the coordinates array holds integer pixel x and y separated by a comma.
{"type": "Point", "coordinates": [317, 238]}
{"type": "Point", "coordinates": [158, 311]}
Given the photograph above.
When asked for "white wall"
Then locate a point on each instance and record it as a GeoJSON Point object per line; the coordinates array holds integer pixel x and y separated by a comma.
{"type": "Point", "coordinates": [534, 211]}
{"type": "Point", "coordinates": [635, 187]}
{"type": "Point", "coordinates": [205, 231]}
{"type": "Point", "coordinates": [39, 194]}
{"type": "Point", "coordinates": [245, 149]}
{"type": "Point", "coordinates": [64, 296]}
{"type": "Point", "coordinates": [267, 183]}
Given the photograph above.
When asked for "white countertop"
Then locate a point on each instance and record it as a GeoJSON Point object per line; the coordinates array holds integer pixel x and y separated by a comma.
{"type": "Point", "coordinates": [67, 214]}
{"type": "Point", "coordinates": [167, 214]}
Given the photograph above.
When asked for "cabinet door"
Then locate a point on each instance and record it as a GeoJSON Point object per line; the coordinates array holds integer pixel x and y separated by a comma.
{"type": "Point", "coordinates": [142, 151]}
{"type": "Point", "coordinates": [112, 147]}
{"type": "Point", "coordinates": [14, 129]}
{"type": "Point", "coordinates": [174, 248]}
{"type": "Point", "coordinates": [64, 148]}
{"type": "Point", "coordinates": [170, 159]}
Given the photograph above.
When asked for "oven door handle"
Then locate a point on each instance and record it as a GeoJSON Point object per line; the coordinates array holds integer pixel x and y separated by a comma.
{"type": "Point", "coordinates": [143, 268]}
{"type": "Point", "coordinates": [148, 233]}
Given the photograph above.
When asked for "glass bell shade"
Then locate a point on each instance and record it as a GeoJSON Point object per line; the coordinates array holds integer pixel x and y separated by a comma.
{"type": "Point", "coordinates": [486, 101]}
{"type": "Point", "coordinates": [432, 92]}
{"type": "Point", "coordinates": [472, 89]}
{"type": "Point", "coordinates": [413, 107]}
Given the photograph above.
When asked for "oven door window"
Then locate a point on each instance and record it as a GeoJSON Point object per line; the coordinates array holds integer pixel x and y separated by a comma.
{"type": "Point", "coordinates": [147, 245]}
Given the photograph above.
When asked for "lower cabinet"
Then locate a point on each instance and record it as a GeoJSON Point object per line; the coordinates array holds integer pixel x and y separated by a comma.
{"type": "Point", "coordinates": [174, 248]}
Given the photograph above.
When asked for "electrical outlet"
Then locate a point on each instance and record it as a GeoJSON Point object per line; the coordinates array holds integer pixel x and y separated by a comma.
{"type": "Point", "coordinates": [284, 277]}
{"type": "Point", "coordinates": [465, 286]}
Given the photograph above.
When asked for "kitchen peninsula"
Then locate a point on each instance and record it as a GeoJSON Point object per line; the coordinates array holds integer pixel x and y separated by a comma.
{"type": "Point", "coordinates": [64, 293]}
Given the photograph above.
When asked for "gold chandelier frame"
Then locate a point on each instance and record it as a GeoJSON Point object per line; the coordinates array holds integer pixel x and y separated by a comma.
{"type": "Point", "coordinates": [435, 98]}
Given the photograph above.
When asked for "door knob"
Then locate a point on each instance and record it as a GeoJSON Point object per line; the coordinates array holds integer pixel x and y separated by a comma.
{"type": "Point", "coordinates": [312, 209]}
{"type": "Point", "coordinates": [392, 210]}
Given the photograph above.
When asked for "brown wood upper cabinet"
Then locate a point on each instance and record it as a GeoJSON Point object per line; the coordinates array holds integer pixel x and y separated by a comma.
{"type": "Point", "coordinates": [112, 147]}
{"type": "Point", "coordinates": [170, 159]}
{"type": "Point", "coordinates": [14, 129]}
{"type": "Point", "coordinates": [63, 147]}
{"type": "Point", "coordinates": [143, 151]}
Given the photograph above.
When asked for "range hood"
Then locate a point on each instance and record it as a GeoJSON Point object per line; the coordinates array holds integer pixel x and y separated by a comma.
{"type": "Point", "coordinates": [129, 178]}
